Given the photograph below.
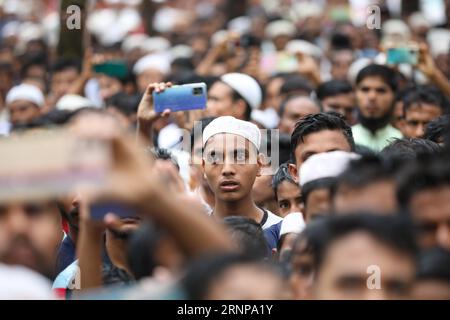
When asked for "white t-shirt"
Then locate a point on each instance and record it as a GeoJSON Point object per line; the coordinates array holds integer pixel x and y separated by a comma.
{"type": "Point", "coordinates": [20, 283]}
{"type": "Point", "coordinates": [270, 220]}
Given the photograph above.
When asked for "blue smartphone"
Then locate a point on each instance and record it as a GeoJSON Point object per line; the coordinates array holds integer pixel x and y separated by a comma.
{"type": "Point", "coordinates": [185, 97]}
{"type": "Point", "coordinates": [406, 55]}
{"type": "Point", "coordinates": [99, 210]}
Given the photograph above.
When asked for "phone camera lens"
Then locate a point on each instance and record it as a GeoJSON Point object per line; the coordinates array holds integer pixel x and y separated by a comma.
{"type": "Point", "coordinates": [198, 91]}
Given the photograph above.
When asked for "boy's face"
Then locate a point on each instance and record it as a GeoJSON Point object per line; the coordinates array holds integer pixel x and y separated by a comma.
{"type": "Point", "coordinates": [289, 198]}
{"type": "Point", "coordinates": [231, 165]}
{"type": "Point", "coordinates": [417, 117]}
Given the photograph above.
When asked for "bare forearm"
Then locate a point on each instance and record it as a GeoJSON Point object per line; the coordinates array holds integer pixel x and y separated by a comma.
{"type": "Point", "coordinates": [441, 81]}
{"type": "Point", "coordinates": [89, 257]}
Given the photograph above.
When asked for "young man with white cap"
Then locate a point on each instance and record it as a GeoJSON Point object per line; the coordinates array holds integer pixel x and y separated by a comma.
{"type": "Point", "coordinates": [317, 176]}
{"type": "Point", "coordinates": [231, 162]}
{"type": "Point", "coordinates": [234, 94]}
{"type": "Point", "coordinates": [24, 103]}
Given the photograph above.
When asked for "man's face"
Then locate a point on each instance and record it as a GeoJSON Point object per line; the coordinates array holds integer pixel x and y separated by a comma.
{"type": "Point", "coordinates": [231, 164]}
{"type": "Point", "coordinates": [147, 77]}
{"type": "Point", "coordinates": [417, 117]}
{"type": "Point", "coordinates": [62, 81]}
{"type": "Point", "coordinates": [243, 282]}
{"type": "Point", "coordinates": [289, 198]}
{"type": "Point", "coordinates": [302, 275]}
{"type": "Point", "coordinates": [317, 204]}
{"type": "Point", "coordinates": [273, 98]}
{"type": "Point", "coordinates": [374, 97]}
{"type": "Point", "coordinates": [318, 142]}
{"type": "Point", "coordinates": [351, 260]}
{"type": "Point", "coordinates": [431, 211]}
{"type": "Point", "coordinates": [22, 112]}
{"type": "Point", "coordinates": [29, 235]}
{"type": "Point", "coordinates": [341, 62]}
{"type": "Point", "coordinates": [108, 86]}
{"type": "Point", "coordinates": [377, 197]}
{"type": "Point", "coordinates": [343, 104]}
{"type": "Point", "coordinates": [294, 110]}
{"type": "Point", "coordinates": [220, 102]}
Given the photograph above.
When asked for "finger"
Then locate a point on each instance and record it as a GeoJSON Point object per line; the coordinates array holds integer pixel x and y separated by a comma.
{"type": "Point", "coordinates": [111, 221]}
{"type": "Point", "coordinates": [166, 113]}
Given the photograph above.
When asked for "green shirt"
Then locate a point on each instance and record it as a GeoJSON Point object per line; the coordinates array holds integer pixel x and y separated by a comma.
{"type": "Point", "coordinates": [377, 141]}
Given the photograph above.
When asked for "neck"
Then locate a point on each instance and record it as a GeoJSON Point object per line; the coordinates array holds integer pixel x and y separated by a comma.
{"type": "Point", "coordinates": [116, 250]}
{"type": "Point", "coordinates": [245, 207]}
{"type": "Point", "coordinates": [207, 195]}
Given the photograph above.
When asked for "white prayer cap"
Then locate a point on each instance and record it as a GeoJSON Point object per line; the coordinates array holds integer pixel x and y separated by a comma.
{"type": "Point", "coordinates": [303, 46]}
{"type": "Point", "coordinates": [356, 67]}
{"type": "Point", "coordinates": [133, 41]}
{"type": "Point", "coordinates": [417, 20]}
{"type": "Point", "coordinates": [304, 10]}
{"type": "Point", "coordinates": [241, 25]}
{"type": "Point", "coordinates": [325, 165]}
{"type": "Point", "coordinates": [231, 125]}
{"type": "Point", "coordinates": [292, 223]}
{"type": "Point", "coordinates": [439, 41]}
{"type": "Point", "coordinates": [72, 102]}
{"type": "Point", "coordinates": [395, 30]}
{"type": "Point", "coordinates": [155, 44]}
{"type": "Point", "coordinates": [246, 86]}
{"type": "Point", "coordinates": [268, 118]}
{"type": "Point", "coordinates": [25, 92]}
{"type": "Point", "coordinates": [280, 28]}
{"type": "Point", "coordinates": [156, 61]}
{"type": "Point", "coordinates": [218, 37]}
{"type": "Point", "coordinates": [181, 51]}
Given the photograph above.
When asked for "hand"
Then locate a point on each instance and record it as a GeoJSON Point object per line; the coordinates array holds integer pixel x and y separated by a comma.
{"type": "Point", "coordinates": [308, 67]}
{"type": "Point", "coordinates": [425, 62]}
{"type": "Point", "coordinates": [146, 113]}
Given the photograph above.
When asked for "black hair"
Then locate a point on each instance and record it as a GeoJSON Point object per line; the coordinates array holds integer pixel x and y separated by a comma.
{"type": "Point", "coordinates": [165, 154]}
{"type": "Point", "coordinates": [141, 247]}
{"type": "Point", "coordinates": [333, 88]}
{"type": "Point", "coordinates": [64, 64]}
{"type": "Point", "coordinates": [365, 171]}
{"type": "Point", "coordinates": [282, 174]}
{"type": "Point", "coordinates": [248, 110]}
{"type": "Point", "coordinates": [203, 122]}
{"type": "Point", "coordinates": [318, 122]}
{"type": "Point", "coordinates": [248, 235]}
{"type": "Point", "coordinates": [291, 97]}
{"type": "Point", "coordinates": [295, 84]}
{"type": "Point", "coordinates": [407, 149]}
{"type": "Point", "coordinates": [424, 174]}
{"type": "Point", "coordinates": [202, 273]}
{"type": "Point", "coordinates": [425, 94]}
{"type": "Point", "coordinates": [284, 149]}
{"type": "Point", "coordinates": [35, 60]}
{"type": "Point", "coordinates": [435, 130]}
{"type": "Point", "coordinates": [127, 104]}
{"type": "Point", "coordinates": [434, 264]}
{"type": "Point", "coordinates": [388, 75]}
{"type": "Point", "coordinates": [395, 231]}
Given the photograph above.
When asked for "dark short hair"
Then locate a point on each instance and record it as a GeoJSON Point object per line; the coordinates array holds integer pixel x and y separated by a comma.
{"type": "Point", "coordinates": [248, 235]}
{"type": "Point", "coordinates": [64, 64]}
{"type": "Point", "coordinates": [203, 122]}
{"type": "Point", "coordinates": [165, 154]}
{"type": "Point", "coordinates": [388, 75]}
{"type": "Point", "coordinates": [282, 174]}
{"type": "Point", "coordinates": [319, 122]}
{"type": "Point", "coordinates": [407, 149]}
{"type": "Point", "coordinates": [425, 94]}
{"type": "Point", "coordinates": [434, 264]}
{"type": "Point", "coordinates": [296, 83]}
{"type": "Point", "coordinates": [365, 171]}
{"type": "Point", "coordinates": [127, 104]}
{"type": "Point", "coordinates": [333, 88]}
{"type": "Point", "coordinates": [202, 272]}
{"type": "Point", "coordinates": [291, 97]}
{"type": "Point", "coordinates": [437, 128]}
{"type": "Point", "coordinates": [394, 231]}
{"type": "Point", "coordinates": [424, 174]}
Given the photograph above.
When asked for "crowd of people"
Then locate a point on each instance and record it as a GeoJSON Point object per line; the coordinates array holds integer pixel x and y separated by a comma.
{"type": "Point", "coordinates": [318, 169]}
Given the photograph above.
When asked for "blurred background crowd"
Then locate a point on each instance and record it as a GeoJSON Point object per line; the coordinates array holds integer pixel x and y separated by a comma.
{"type": "Point", "coordinates": [354, 99]}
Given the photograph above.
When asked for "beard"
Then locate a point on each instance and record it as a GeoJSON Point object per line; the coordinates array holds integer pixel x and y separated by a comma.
{"type": "Point", "coordinates": [374, 124]}
{"type": "Point", "coordinates": [22, 252]}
